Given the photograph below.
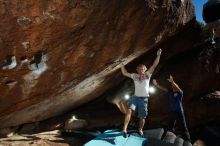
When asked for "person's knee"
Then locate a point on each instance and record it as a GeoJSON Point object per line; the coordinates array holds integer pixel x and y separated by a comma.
{"type": "Point", "coordinates": [128, 112]}
{"type": "Point", "coordinates": [142, 114]}
{"type": "Point", "coordinates": [142, 119]}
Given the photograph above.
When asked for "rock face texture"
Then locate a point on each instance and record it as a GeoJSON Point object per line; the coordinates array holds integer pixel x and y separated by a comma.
{"type": "Point", "coordinates": [57, 55]}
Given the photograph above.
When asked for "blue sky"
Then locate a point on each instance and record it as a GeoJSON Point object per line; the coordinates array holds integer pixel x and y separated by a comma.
{"type": "Point", "coordinates": [198, 9]}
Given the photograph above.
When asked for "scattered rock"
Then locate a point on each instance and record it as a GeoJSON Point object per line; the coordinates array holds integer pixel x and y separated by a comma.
{"type": "Point", "coordinates": [51, 138]}
{"type": "Point", "coordinates": [5, 131]}
{"type": "Point", "coordinates": [74, 123]}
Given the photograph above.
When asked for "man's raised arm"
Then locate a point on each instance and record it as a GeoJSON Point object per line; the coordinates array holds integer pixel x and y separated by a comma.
{"type": "Point", "coordinates": [159, 86]}
{"type": "Point", "coordinates": [156, 61]}
{"type": "Point", "coordinates": [174, 85]}
{"type": "Point", "coordinates": [124, 71]}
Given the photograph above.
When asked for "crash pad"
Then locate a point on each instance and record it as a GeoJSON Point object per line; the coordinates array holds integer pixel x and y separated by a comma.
{"type": "Point", "coordinates": [115, 138]}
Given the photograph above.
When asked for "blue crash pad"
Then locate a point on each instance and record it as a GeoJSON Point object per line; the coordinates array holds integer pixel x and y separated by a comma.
{"type": "Point", "coordinates": [115, 138]}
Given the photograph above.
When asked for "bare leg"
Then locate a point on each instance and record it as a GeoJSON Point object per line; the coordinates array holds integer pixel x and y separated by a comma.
{"type": "Point", "coordinates": [141, 125]}
{"type": "Point", "coordinates": [123, 107]}
{"type": "Point", "coordinates": [172, 121]}
{"type": "Point", "coordinates": [127, 120]}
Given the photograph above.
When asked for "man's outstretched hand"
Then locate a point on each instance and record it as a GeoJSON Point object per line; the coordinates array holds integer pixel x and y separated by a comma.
{"type": "Point", "coordinates": [159, 51]}
{"type": "Point", "coordinates": [155, 82]}
{"type": "Point", "coordinates": [170, 79]}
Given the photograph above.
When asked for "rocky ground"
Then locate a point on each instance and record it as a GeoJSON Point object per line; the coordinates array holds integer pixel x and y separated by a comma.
{"type": "Point", "coordinates": [50, 138]}
{"type": "Point", "coordinates": [201, 136]}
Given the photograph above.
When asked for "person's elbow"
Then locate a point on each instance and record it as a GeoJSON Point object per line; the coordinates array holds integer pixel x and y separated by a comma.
{"type": "Point", "coordinates": [125, 73]}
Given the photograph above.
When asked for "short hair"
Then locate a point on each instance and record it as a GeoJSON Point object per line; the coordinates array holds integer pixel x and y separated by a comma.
{"type": "Point", "coordinates": [142, 65]}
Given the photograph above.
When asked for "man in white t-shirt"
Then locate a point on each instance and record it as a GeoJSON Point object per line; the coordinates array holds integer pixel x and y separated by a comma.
{"type": "Point", "coordinates": [140, 98]}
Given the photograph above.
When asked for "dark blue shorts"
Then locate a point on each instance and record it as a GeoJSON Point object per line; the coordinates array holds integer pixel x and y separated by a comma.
{"type": "Point", "coordinates": [141, 104]}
